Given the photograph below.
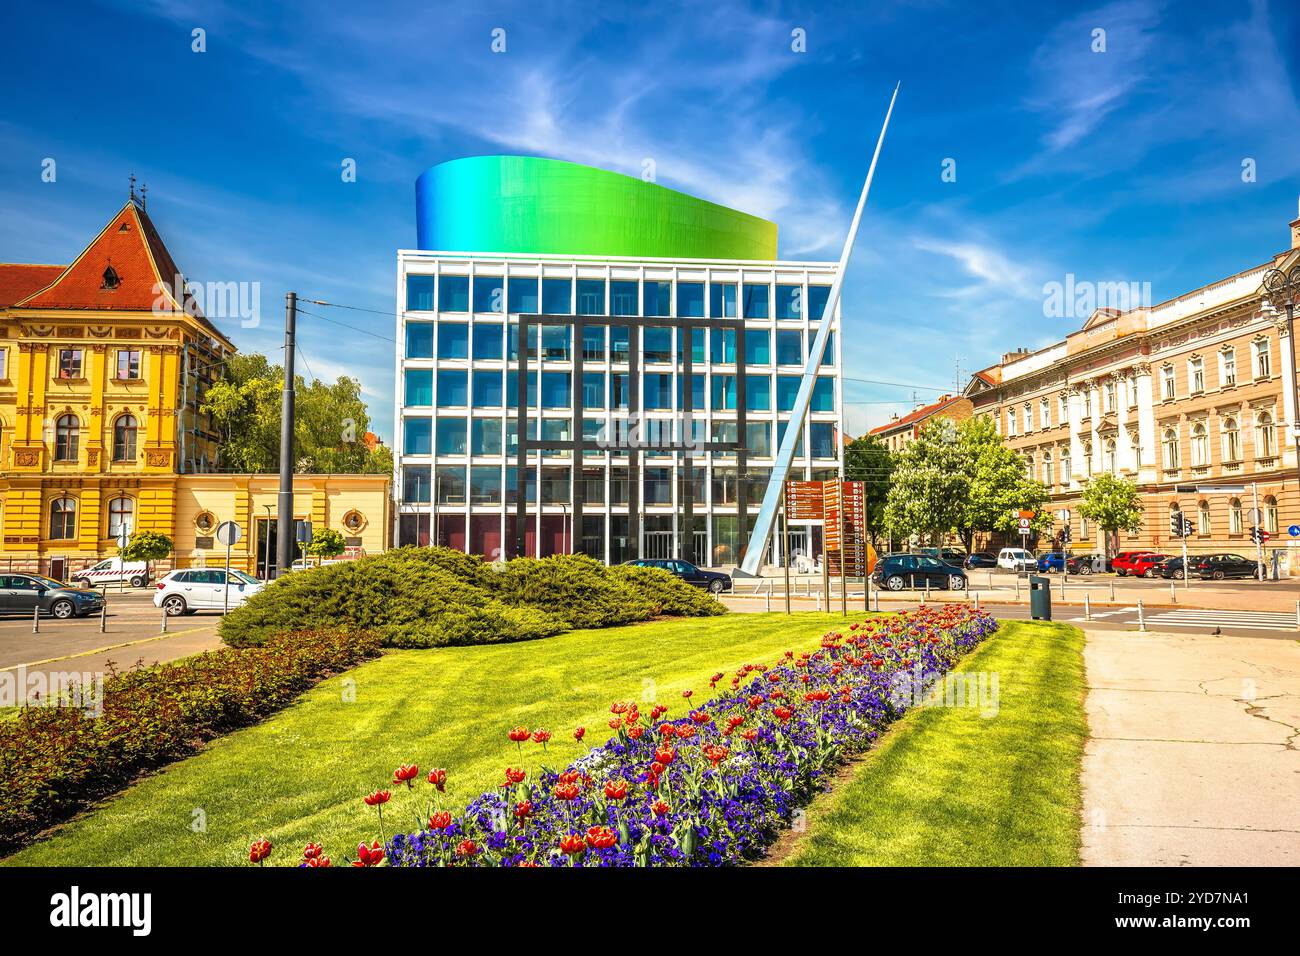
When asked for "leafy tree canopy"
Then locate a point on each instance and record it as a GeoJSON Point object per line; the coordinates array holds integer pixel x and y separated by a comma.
{"type": "Point", "coordinates": [1112, 503]}
{"type": "Point", "coordinates": [146, 546]}
{"type": "Point", "coordinates": [325, 543]}
{"type": "Point", "coordinates": [868, 460]}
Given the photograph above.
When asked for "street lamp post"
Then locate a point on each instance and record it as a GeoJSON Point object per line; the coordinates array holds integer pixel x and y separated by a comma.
{"type": "Point", "coordinates": [1282, 288]}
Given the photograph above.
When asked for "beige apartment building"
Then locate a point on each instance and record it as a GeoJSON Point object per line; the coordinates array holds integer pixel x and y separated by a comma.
{"type": "Point", "coordinates": [899, 432]}
{"type": "Point", "coordinates": [1193, 398]}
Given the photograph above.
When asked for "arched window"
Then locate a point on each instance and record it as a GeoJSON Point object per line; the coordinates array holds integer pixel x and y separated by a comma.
{"type": "Point", "coordinates": [124, 431]}
{"type": "Point", "coordinates": [1108, 452]}
{"type": "Point", "coordinates": [1203, 518]}
{"type": "Point", "coordinates": [1234, 516]}
{"type": "Point", "coordinates": [1029, 466]}
{"type": "Point", "coordinates": [1200, 445]}
{"type": "Point", "coordinates": [121, 514]}
{"type": "Point", "coordinates": [1087, 459]}
{"type": "Point", "coordinates": [1066, 472]}
{"type": "Point", "coordinates": [1049, 476]}
{"type": "Point", "coordinates": [67, 438]}
{"type": "Point", "coordinates": [1231, 440]}
{"type": "Point", "coordinates": [63, 519]}
{"type": "Point", "coordinates": [1265, 436]}
{"type": "Point", "coordinates": [1170, 443]}
{"type": "Point", "coordinates": [1270, 514]}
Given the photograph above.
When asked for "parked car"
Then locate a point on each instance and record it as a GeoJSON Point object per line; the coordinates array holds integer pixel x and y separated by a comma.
{"type": "Point", "coordinates": [946, 555]}
{"type": "Point", "coordinates": [1122, 563]}
{"type": "Point", "coordinates": [1172, 568]}
{"type": "Point", "coordinates": [203, 589]}
{"type": "Point", "coordinates": [20, 593]}
{"type": "Point", "coordinates": [1016, 559]}
{"type": "Point", "coordinates": [981, 559]}
{"type": "Point", "coordinates": [715, 581]}
{"type": "Point", "coordinates": [898, 571]}
{"type": "Point", "coordinates": [1054, 561]}
{"type": "Point", "coordinates": [1219, 566]}
{"type": "Point", "coordinates": [1147, 565]}
{"type": "Point", "coordinates": [114, 571]}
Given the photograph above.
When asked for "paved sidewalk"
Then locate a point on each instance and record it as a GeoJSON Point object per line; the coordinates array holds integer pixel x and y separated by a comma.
{"type": "Point", "coordinates": [1194, 751]}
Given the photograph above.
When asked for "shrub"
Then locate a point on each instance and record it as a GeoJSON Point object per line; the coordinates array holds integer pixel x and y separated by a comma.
{"type": "Point", "coordinates": [669, 594]}
{"type": "Point", "coordinates": [55, 760]}
{"type": "Point", "coordinates": [575, 588]}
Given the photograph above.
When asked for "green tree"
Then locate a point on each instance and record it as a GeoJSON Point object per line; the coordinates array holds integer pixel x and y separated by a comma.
{"type": "Point", "coordinates": [147, 546]}
{"type": "Point", "coordinates": [963, 479]}
{"type": "Point", "coordinates": [330, 425]}
{"type": "Point", "coordinates": [1113, 504]}
{"type": "Point", "coordinates": [868, 460]}
{"type": "Point", "coordinates": [325, 543]}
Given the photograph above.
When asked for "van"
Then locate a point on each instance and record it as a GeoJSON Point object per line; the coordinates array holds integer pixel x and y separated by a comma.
{"type": "Point", "coordinates": [114, 571]}
{"type": "Point", "coordinates": [1016, 559]}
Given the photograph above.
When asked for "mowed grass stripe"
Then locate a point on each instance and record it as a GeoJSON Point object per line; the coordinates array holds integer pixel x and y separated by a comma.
{"type": "Point", "coordinates": [300, 775]}
{"type": "Point", "coordinates": [947, 787]}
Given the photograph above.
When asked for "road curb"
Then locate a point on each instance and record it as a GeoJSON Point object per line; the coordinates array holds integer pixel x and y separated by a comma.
{"type": "Point", "coordinates": [110, 647]}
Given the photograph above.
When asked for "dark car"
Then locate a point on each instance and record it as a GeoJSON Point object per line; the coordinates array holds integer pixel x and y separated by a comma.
{"type": "Point", "coordinates": [1054, 561]}
{"type": "Point", "coordinates": [899, 571]}
{"type": "Point", "coordinates": [946, 555]}
{"type": "Point", "coordinates": [1219, 566]}
{"type": "Point", "coordinates": [21, 593]}
{"type": "Point", "coordinates": [1172, 568]}
{"type": "Point", "coordinates": [715, 581]}
{"type": "Point", "coordinates": [981, 559]}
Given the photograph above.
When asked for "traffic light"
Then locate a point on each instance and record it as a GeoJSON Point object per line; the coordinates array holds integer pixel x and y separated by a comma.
{"type": "Point", "coordinates": [1065, 534]}
{"type": "Point", "coordinates": [1176, 524]}
{"type": "Point", "coordinates": [1187, 527]}
{"type": "Point", "coordinates": [1256, 536]}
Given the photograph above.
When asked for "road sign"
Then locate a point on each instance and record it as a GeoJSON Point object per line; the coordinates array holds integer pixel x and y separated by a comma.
{"type": "Point", "coordinates": [844, 507]}
{"type": "Point", "coordinates": [302, 531]}
{"type": "Point", "coordinates": [1025, 529]}
{"type": "Point", "coordinates": [1255, 516]}
{"type": "Point", "coordinates": [124, 537]}
{"type": "Point", "coordinates": [228, 533]}
{"type": "Point", "coordinates": [803, 501]}
{"type": "Point", "coordinates": [1294, 531]}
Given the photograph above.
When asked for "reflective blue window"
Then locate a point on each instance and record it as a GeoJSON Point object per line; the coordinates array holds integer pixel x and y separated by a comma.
{"type": "Point", "coordinates": [722, 346]}
{"type": "Point", "coordinates": [557, 296]}
{"type": "Point", "coordinates": [489, 294]}
{"type": "Point", "coordinates": [419, 340]}
{"type": "Point", "coordinates": [823, 395]}
{"type": "Point", "coordinates": [758, 347]}
{"type": "Point", "coordinates": [789, 347]}
{"type": "Point", "coordinates": [485, 436]}
{"type": "Point", "coordinates": [512, 390]}
{"type": "Point", "coordinates": [523, 296]}
{"type": "Point", "coordinates": [657, 345]}
{"type": "Point", "coordinates": [690, 300]}
{"type": "Point", "coordinates": [780, 437]}
{"type": "Point", "coordinates": [593, 389]}
{"type": "Point", "coordinates": [419, 293]}
{"type": "Point", "coordinates": [622, 298]}
{"type": "Point", "coordinates": [593, 343]}
{"type": "Point", "coordinates": [758, 439]}
{"type": "Point", "coordinates": [821, 439]}
{"type": "Point", "coordinates": [512, 341]}
{"type": "Point", "coordinates": [487, 340]}
{"type": "Point", "coordinates": [489, 392]}
{"type": "Point", "coordinates": [453, 340]}
{"type": "Point", "coordinates": [618, 344]}
{"type": "Point", "coordinates": [787, 387]}
{"type": "Point", "coordinates": [591, 296]}
{"type": "Point", "coordinates": [453, 294]}
{"type": "Point", "coordinates": [658, 298]}
{"type": "Point", "coordinates": [724, 392]}
{"type": "Point", "coordinates": [416, 485]}
{"type": "Point", "coordinates": [828, 357]}
{"type": "Point", "coordinates": [419, 386]}
{"type": "Point", "coordinates": [453, 388]}
{"type": "Point", "coordinates": [722, 300]}
{"type": "Point", "coordinates": [618, 383]}
{"type": "Point", "coordinates": [451, 436]}
{"type": "Point", "coordinates": [555, 343]}
{"type": "Point", "coordinates": [818, 296]}
{"type": "Point", "coordinates": [658, 391]}
{"type": "Point", "coordinates": [755, 301]}
{"type": "Point", "coordinates": [789, 302]}
{"type": "Point", "coordinates": [697, 393]}
{"type": "Point", "coordinates": [758, 393]}
{"type": "Point", "coordinates": [417, 436]}
{"type": "Point", "coordinates": [555, 390]}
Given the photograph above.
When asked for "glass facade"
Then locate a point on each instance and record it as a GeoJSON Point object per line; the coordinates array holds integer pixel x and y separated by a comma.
{"type": "Point", "coordinates": [457, 404]}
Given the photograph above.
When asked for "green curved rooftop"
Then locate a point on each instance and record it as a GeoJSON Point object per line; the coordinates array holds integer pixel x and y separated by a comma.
{"type": "Point", "coordinates": [530, 205]}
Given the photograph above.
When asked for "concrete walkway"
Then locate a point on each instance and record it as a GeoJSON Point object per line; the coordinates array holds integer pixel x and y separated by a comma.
{"type": "Point", "coordinates": [1194, 753]}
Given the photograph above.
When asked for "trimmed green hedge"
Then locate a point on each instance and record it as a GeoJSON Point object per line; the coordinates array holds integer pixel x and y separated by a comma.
{"type": "Point", "coordinates": [56, 760]}
{"type": "Point", "coordinates": [436, 597]}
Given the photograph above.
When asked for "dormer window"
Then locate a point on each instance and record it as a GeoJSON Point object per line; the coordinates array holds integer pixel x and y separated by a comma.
{"type": "Point", "coordinates": [111, 280]}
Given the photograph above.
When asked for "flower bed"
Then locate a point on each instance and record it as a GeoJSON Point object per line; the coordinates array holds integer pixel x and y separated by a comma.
{"type": "Point", "coordinates": [711, 788]}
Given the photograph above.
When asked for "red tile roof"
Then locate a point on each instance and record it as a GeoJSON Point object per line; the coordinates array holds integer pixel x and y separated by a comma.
{"type": "Point", "coordinates": [18, 280]}
{"type": "Point", "coordinates": [919, 415]}
{"type": "Point", "coordinates": [131, 247]}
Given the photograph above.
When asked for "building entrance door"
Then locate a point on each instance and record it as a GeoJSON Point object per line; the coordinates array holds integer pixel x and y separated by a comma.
{"type": "Point", "coordinates": [659, 544]}
{"type": "Point", "coordinates": [266, 527]}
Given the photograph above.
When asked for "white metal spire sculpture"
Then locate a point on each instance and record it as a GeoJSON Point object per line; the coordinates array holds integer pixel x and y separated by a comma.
{"type": "Point", "coordinates": [785, 454]}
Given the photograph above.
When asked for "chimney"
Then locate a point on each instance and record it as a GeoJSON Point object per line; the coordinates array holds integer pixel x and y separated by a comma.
{"type": "Point", "coordinates": [1295, 232]}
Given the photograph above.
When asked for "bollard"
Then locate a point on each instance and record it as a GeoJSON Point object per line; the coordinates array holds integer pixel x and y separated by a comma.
{"type": "Point", "coordinates": [36, 619]}
{"type": "Point", "coordinates": [819, 600]}
{"type": "Point", "coordinates": [977, 600]}
{"type": "Point", "coordinates": [1062, 585]}
{"type": "Point", "coordinates": [163, 630]}
{"type": "Point", "coordinates": [1017, 587]}
{"type": "Point", "coordinates": [1297, 615]}
{"type": "Point", "coordinates": [927, 590]}
{"type": "Point", "coordinates": [1087, 608]}
{"type": "Point", "coordinates": [1112, 592]}
{"type": "Point", "coordinates": [1173, 593]}
{"type": "Point", "coordinates": [767, 601]}
{"type": "Point", "coordinates": [103, 617]}
{"type": "Point", "coordinates": [1142, 621]}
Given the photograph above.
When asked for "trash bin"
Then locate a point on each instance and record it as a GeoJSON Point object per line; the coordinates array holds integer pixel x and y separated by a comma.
{"type": "Point", "coordinates": [1040, 598]}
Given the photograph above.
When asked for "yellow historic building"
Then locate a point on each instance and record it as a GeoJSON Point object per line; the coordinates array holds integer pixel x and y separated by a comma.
{"type": "Point", "coordinates": [104, 364]}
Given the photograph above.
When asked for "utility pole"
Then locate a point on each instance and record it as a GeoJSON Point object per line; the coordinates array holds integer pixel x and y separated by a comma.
{"type": "Point", "coordinates": [284, 542]}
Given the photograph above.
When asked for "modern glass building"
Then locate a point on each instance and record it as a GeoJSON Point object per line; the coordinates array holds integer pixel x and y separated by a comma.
{"type": "Point", "coordinates": [662, 347]}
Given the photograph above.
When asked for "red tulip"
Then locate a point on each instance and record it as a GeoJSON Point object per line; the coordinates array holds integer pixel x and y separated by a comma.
{"type": "Point", "coordinates": [540, 736]}
{"type": "Point", "coordinates": [406, 774]}
{"type": "Point", "coordinates": [688, 694]}
{"type": "Point", "coordinates": [665, 755]}
{"type": "Point", "coordinates": [601, 838]}
{"type": "Point", "coordinates": [439, 820]}
{"type": "Point", "coordinates": [368, 855]}
{"type": "Point", "coordinates": [566, 791]}
{"type": "Point", "coordinates": [523, 809]}
{"type": "Point", "coordinates": [439, 779]}
{"type": "Point", "coordinates": [519, 734]}
{"type": "Point", "coordinates": [514, 776]}
{"type": "Point", "coordinates": [660, 808]}
{"type": "Point", "coordinates": [783, 713]}
{"type": "Point", "coordinates": [749, 734]}
{"type": "Point", "coordinates": [467, 848]}
{"type": "Point", "coordinates": [700, 717]}
{"type": "Point", "coordinates": [259, 851]}
{"type": "Point", "coordinates": [573, 844]}
{"type": "Point", "coordinates": [311, 851]}
{"type": "Point", "coordinates": [318, 861]}
{"type": "Point", "coordinates": [579, 733]}
{"type": "Point", "coordinates": [636, 732]}
{"type": "Point", "coordinates": [615, 789]}
{"type": "Point", "coordinates": [378, 798]}
{"type": "Point", "coordinates": [715, 754]}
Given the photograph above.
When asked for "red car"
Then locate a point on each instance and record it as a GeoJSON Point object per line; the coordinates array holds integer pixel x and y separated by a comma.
{"type": "Point", "coordinates": [1124, 562]}
{"type": "Point", "coordinates": [1147, 565]}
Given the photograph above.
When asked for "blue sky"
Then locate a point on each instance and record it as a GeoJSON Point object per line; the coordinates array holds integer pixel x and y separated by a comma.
{"type": "Point", "coordinates": [1122, 165]}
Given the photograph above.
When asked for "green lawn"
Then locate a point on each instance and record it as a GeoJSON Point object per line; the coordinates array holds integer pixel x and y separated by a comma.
{"type": "Point", "coordinates": [301, 774]}
{"type": "Point", "coordinates": [947, 787]}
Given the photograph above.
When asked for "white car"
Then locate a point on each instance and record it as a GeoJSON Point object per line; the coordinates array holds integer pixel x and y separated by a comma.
{"type": "Point", "coordinates": [1016, 559]}
{"type": "Point", "coordinates": [114, 571]}
{"type": "Point", "coordinates": [203, 589]}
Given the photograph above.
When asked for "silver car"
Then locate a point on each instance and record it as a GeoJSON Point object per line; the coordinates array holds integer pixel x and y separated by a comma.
{"type": "Point", "coordinates": [21, 593]}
